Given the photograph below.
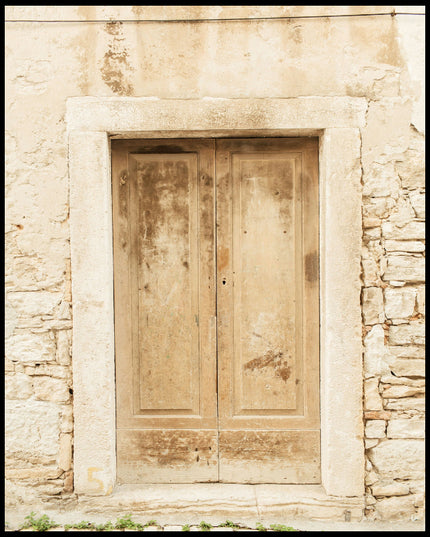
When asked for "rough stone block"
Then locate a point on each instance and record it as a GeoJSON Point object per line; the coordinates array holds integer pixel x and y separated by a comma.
{"type": "Point", "coordinates": [390, 488]}
{"type": "Point", "coordinates": [48, 370]}
{"type": "Point", "coordinates": [67, 419]}
{"type": "Point", "coordinates": [371, 233]}
{"type": "Point", "coordinates": [386, 86]}
{"type": "Point", "coordinates": [405, 268]}
{"type": "Point", "coordinates": [399, 459]}
{"type": "Point", "coordinates": [375, 429]}
{"type": "Point", "coordinates": [419, 499]}
{"type": "Point", "coordinates": [394, 392]}
{"type": "Point", "coordinates": [404, 246]}
{"type": "Point", "coordinates": [398, 321]}
{"type": "Point", "coordinates": [41, 422]}
{"type": "Point", "coordinates": [372, 398]}
{"type": "Point", "coordinates": [34, 243]}
{"type": "Point", "coordinates": [371, 271]}
{"type": "Point", "coordinates": [417, 486]}
{"type": "Point", "coordinates": [16, 493]}
{"type": "Point", "coordinates": [378, 207]}
{"type": "Point", "coordinates": [418, 203]}
{"type": "Point", "coordinates": [376, 356]}
{"type": "Point", "coordinates": [407, 334]}
{"type": "Point", "coordinates": [370, 500]}
{"type": "Point", "coordinates": [377, 415]}
{"type": "Point", "coordinates": [33, 473]}
{"type": "Point", "coordinates": [402, 213]}
{"type": "Point", "coordinates": [386, 130]}
{"type": "Point", "coordinates": [373, 305]}
{"type": "Point", "coordinates": [51, 389]}
{"type": "Point", "coordinates": [371, 478]}
{"type": "Point", "coordinates": [399, 303]}
{"type": "Point", "coordinates": [34, 303]}
{"type": "Point", "coordinates": [375, 248]}
{"type": "Point", "coordinates": [65, 452]}
{"type": "Point", "coordinates": [406, 404]}
{"type": "Point", "coordinates": [63, 347]}
{"type": "Point", "coordinates": [51, 488]}
{"type": "Point", "coordinates": [370, 442]}
{"type": "Point", "coordinates": [407, 351]}
{"type": "Point", "coordinates": [380, 180]}
{"type": "Point", "coordinates": [57, 324]}
{"type": "Point", "coordinates": [396, 508]}
{"type": "Point", "coordinates": [68, 481]}
{"type": "Point", "coordinates": [404, 367]}
{"type": "Point", "coordinates": [34, 273]}
{"type": "Point", "coordinates": [11, 319]}
{"type": "Point", "coordinates": [18, 386]}
{"type": "Point", "coordinates": [414, 230]}
{"type": "Point", "coordinates": [406, 428]}
{"type": "Point", "coordinates": [369, 223]}
{"type": "Point", "coordinates": [64, 310]}
{"type": "Point", "coordinates": [29, 347]}
{"type": "Point", "coordinates": [392, 379]}
{"type": "Point", "coordinates": [421, 299]}
{"type": "Point", "coordinates": [411, 169]}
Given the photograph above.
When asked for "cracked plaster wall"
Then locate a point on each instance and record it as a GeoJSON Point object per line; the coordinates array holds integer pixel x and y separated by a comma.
{"type": "Point", "coordinates": [379, 58]}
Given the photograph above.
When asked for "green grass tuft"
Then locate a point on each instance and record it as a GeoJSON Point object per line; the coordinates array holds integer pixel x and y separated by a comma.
{"type": "Point", "coordinates": [205, 526]}
{"type": "Point", "coordinates": [281, 527]}
{"type": "Point", "coordinates": [39, 524]}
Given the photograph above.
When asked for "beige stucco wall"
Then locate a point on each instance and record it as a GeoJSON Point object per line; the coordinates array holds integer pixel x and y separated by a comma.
{"type": "Point", "coordinates": [376, 58]}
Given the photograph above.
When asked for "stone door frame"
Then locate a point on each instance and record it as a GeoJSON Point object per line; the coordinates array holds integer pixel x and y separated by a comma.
{"type": "Point", "coordinates": [91, 123]}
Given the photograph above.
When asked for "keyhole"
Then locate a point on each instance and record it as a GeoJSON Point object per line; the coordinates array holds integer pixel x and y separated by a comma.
{"type": "Point", "coordinates": [224, 281]}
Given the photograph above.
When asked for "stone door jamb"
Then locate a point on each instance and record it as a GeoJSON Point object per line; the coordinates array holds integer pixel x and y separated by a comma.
{"type": "Point", "coordinates": [91, 123]}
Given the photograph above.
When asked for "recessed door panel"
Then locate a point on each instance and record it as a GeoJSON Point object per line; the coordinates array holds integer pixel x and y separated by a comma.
{"type": "Point", "coordinates": [266, 292]}
{"type": "Point", "coordinates": [166, 278]}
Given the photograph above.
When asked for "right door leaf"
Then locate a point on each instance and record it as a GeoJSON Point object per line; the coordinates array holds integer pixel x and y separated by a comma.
{"type": "Point", "coordinates": [268, 329]}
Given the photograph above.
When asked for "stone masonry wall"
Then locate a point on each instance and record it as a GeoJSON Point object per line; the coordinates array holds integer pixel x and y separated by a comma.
{"type": "Point", "coordinates": [393, 318]}
{"type": "Point", "coordinates": [46, 63]}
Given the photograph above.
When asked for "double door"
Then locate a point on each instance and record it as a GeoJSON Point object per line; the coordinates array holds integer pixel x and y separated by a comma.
{"type": "Point", "coordinates": [216, 310]}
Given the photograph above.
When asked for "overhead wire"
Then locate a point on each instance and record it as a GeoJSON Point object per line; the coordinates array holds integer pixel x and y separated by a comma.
{"type": "Point", "coordinates": [229, 19]}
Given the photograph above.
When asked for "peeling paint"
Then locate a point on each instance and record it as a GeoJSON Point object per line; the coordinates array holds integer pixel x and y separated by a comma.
{"type": "Point", "coordinates": [116, 66]}
{"type": "Point", "coordinates": [273, 360]}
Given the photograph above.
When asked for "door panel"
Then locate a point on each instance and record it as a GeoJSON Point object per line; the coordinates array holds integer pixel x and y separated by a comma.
{"type": "Point", "coordinates": [268, 384]}
{"type": "Point", "coordinates": [269, 456]}
{"type": "Point", "coordinates": [167, 455]}
{"type": "Point", "coordinates": [165, 310]}
{"type": "Point", "coordinates": [217, 360]}
{"type": "Point", "coordinates": [166, 278]}
{"type": "Point", "coordinates": [265, 203]}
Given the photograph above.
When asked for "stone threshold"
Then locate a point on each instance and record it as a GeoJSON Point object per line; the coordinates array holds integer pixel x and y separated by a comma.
{"type": "Point", "coordinates": [303, 507]}
{"type": "Point", "coordinates": [216, 502]}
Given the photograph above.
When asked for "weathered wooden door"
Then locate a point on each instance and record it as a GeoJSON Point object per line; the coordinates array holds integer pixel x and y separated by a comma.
{"type": "Point", "coordinates": [216, 310]}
